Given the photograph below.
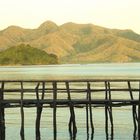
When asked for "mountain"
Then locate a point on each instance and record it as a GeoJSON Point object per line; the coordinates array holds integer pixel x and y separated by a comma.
{"type": "Point", "coordinates": [76, 43]}
{"type": "Point", "coordinates": [26, 55]}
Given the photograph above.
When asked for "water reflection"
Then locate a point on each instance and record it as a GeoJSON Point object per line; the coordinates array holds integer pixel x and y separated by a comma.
{"type": "Point", "coordinates": [90, 137]}
{"type": "Point", "coordinates": [70, 71]}
{"type": "Point", "coordinates": [108, 136]}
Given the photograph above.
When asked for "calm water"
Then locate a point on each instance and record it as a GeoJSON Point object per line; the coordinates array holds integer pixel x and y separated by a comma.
{"type": "Point", "coordinates": [122, 116]}
{"type": "Point", "coordinates": [71, 71]}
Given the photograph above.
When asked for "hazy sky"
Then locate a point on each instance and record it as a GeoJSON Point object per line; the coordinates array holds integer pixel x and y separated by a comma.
{"type": "Point", "coordinates": [122, 14]}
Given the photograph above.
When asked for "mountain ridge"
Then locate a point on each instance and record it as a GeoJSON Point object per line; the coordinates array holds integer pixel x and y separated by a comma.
{"type": "Point", "coordinates": [76, 43]}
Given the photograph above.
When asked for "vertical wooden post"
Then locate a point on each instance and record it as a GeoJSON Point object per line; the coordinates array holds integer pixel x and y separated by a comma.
{"type": "Point", "coordinates": [106, 109]}
{"type": "Point", "coordinates": [139, 114]}
{"type": "Point", "coordinates": [22, 114]}
{"type": "Point", "coordinates": [39, 109]}
{"type": "Point", "coordinates": [87, 121]}
{"type": "Point", "coordinates": [72, 121]}
{"type": "Point", "coordinates": [2, 114]}
{"type": "Point", "coordinates": [134, 113]}
{"type": "Point", "coordinates": [43, 90]}
{"type": "Point", "coordinates": [38, 116]}
{"type": "Point", "coordinates": [90, 108]}
{"type": "Point", "coordinates": [110, 111]}
{"type": "Point", "coordinates": [54, 110]}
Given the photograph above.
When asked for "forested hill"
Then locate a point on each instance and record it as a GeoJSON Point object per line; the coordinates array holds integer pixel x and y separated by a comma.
{"type": "Point", "coordinates": [26, 55]}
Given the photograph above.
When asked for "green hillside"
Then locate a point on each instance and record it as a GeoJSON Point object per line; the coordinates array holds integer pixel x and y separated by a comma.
{"type": "Point", "coordinates": [129, 34]}
{"type": "Point", "coordinates": [26, 55]}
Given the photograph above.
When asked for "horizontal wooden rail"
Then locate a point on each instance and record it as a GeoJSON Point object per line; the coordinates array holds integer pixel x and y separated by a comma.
{"type": "Point", "coordinates": [72, 90]}
{"type": "Point", "coordinates": [74, 80]}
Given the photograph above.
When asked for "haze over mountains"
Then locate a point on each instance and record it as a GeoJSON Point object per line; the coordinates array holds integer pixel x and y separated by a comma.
{"type": "Point", "coordinates": [76, 43]}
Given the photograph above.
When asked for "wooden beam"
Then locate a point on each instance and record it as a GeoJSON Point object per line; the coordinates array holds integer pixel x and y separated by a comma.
{"type": "Point", "coordinates": [54, 110]}
{"type": "Point", "coordinates": [22, 114]}
{"type": "Point", "coordinates": [2, 114]}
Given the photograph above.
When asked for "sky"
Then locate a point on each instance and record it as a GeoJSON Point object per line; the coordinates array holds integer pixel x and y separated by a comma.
{"type": "Point", "coordinates": [120, 14]}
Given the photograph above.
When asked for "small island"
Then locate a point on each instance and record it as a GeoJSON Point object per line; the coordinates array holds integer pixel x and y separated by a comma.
{"type": "Point", "coordinates": [26, 55]}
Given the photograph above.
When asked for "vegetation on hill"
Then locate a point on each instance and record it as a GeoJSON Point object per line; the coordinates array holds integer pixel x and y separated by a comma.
{"type": "Point", "coordinates": [26, 55]}
{"type": "Point", "coordinates": [129, 34]}
{"type": "Point", "coordinates": [76, 43]}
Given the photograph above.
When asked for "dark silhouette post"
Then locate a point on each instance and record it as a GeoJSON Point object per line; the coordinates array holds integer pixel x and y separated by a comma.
{"type": "Point", "coordinates": [54, 110]}
{"type": "Point", "coordinates": [2, 115]}
{"type": "Point", "coordinates": [22, 114]}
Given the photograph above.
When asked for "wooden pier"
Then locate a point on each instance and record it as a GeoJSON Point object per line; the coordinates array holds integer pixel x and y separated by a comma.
{"type": "Point", "coordinates": [71, 94]}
